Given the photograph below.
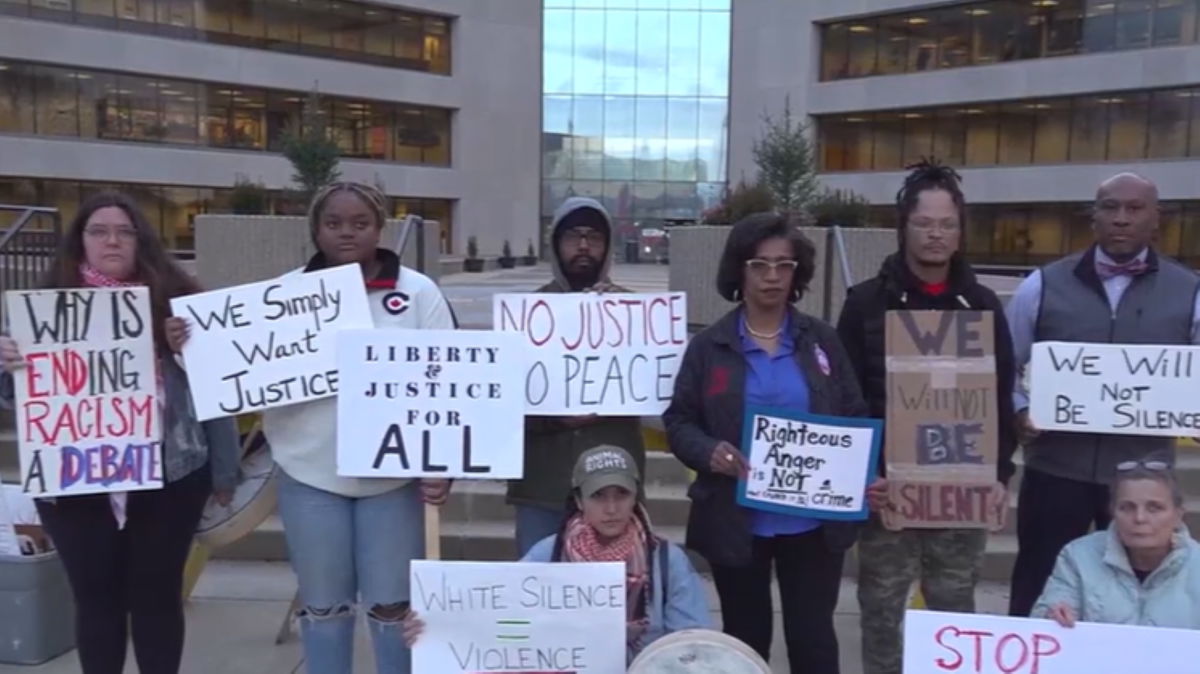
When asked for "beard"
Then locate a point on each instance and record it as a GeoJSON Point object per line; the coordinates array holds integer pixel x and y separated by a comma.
{"type": "Point", "coordinates": [582, 277]}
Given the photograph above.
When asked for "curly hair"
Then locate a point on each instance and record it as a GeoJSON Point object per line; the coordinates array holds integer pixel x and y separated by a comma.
{"type": "Point", "coordinates": [927, 174]}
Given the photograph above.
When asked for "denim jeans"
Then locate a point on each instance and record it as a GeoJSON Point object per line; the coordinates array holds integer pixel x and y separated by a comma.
{"type": "Point", "coordinates": [343, 549]}
{"type": "Point", "coordinates": [535, 523]}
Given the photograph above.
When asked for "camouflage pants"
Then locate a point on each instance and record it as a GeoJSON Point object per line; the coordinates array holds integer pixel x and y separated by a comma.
{"type": "Point", "coordinates": [947, 562]}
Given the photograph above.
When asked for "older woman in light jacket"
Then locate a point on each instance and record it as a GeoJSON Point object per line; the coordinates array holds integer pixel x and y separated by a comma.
{"type": "Point", "coordinates": [1144, 570]}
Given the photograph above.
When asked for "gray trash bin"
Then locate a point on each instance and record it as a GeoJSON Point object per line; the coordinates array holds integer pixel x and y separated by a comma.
{"type": "Point", "coordinates": [37, 613]}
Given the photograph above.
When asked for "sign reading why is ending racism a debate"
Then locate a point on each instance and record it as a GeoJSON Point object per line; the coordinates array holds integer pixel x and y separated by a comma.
{"type": "Point", "coordinates": [606, 354]}
{"type": "Point", "coordinates": [1125, 389]}
{"type": "Point", "coordinates": [269, 344]}
{"type": "Point", "coordinates": [88, 418]}
{"type": "Point", "coordinates": [431, 403]}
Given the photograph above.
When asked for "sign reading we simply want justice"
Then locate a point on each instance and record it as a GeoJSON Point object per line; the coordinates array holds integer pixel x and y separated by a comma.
{"type": "Point", "coordinates": [1125, 389]}
{"type": "Point", "coordinates": [269, 344]}
{"type": "Point", "coordinates": [606, 354]}
{"type": "Point", "coordinates": [88, 418]}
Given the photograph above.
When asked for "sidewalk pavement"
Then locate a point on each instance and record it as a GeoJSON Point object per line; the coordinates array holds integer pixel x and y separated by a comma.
{"type": "Point", "coordinates": [237, 608]}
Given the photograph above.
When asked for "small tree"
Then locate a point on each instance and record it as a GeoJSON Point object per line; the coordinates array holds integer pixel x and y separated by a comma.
{"type": "Point", "coordinates": [784, 158]}
{"type": "Point", "coordinates": [840, 207]}
{"type": "Point", "coordinates": [739, 202]}
{"type": "Point", "coordinates": [307, 145]}
{"type": "Point", "coordinates": [472, 248]}
{"type": "Point", "coordinates": [248, 197]}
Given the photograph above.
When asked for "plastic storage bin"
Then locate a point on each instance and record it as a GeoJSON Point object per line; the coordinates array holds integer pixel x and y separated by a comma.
{"type": "Point", "coordinates": [37, 613]}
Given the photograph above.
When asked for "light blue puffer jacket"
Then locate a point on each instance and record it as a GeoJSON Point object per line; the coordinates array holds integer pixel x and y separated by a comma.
{"type": "Point", "coordinates": [1093, 577]}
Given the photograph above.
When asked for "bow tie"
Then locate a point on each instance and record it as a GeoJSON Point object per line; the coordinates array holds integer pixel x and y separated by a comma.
{"type": "Point", "coordinates": [1109, 270]}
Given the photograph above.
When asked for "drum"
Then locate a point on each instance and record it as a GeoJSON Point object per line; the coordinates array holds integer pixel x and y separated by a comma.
{"type": "Point", "coordinates": [254, 498]}
{"type": "Point", "coordinates": [698, 652]}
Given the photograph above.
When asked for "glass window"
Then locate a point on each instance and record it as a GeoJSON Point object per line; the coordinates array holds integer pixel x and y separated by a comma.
{"type": "Point", "coordinates": [409, 40]}
{"type": "Point", "coordinates": [177, 15]}
{"type": "Point", "coordinates": [377, 33]}
{"type": "Point", "coordinates": [588, 138]}
{"type": "Point", "coordinates": [556, 125]}
{"type": "Point", "coordinates": [13, 8]}
{"type": "Point", "coordinates": [1045, 232]}
{"type": "Point", "coordinates": [1017, 124]}
{"type": "Point", "coordinates": [712, 138]}
{"type": "Point", "coordinates": [950, 136]}
{"type": "Point", "coordinates": [619, 137]}
{"type": "Point", "coordinates": [863, 38]}
{"type": "Point", "coordinates": [439, 121]}
{"type": "Point", "coordinates": [314, 24]}
{"type": "Point", "coordinates": [995, 33]}
{"type": "Point", "coordinates": [57, 107]}
{"type": "Point", "coordinates": [955, 29]}
{"type": "Point", "coordinates": [348, 27]}
{"type": "Point", "coordinates": [918, 135]}
{"type": "Point", "coordinates": [96, 12]}
{"type": "Point", "coordinates": [1133, 23]}
{"type": "Point", "coordinates": [893, 45]}
{"type": "Point", "coordinates": [922, 41]}
{"type": "Point", "coordinates": [1032, 31]}
{"type": "Point", "coordinates": [348, 127]}
{"type": "Point", "coordinates": [889, 142]}
{"type": "Point", "coordinates": [249, 119]}
{"type": "Point", "coordinates": [437, 45]}
{"type": "Point", "coordinates": [181, 114]}
{"type": "Point", "coordinates": [1194, 126]}
{"type": "Point", "coordinates": [589, 52]}
{"type": "Point", "coordinates": [682, 124]}
{"type": "Point", "coordinates": [979, 230]}
{"type": "Point", "coordinates": [140, 114]}
{"type": "Point", "coordinates": [1065, 25]}
{"type": "Point", "coordinates": [246, 20]}
{"type": "Point", "coordinates": [1168, 126]}
{"type": "Point", "coordinates": [1127, 117]}
{"type": "Point", "coordinates": [982, 135]}
{"type": "Point", "coordinates": [714, 54]}
{"type": "Point", "coordinates": [1089, 128]}
{"type": "Point", "coordinates": [51, 10]}
{"type": "Point", "coordinates": [835, 51]}
{"type": "Point", "coordinates": [649, 199]}
{"type": "Point", "coordinates": [651, 138]}
{"type": "Point", "coordinates": [1170, 229]}
{"type": "Point", "coordinates": [1189, 247]}
{"type": "Point", "coordinates": [1052, 135]}
{"type": "Point", "coordinates": [846, 143]}
{"type": "Point", "coordinates": [558, 73]}
{"type": "Point", "coordinates": [136, 12]}
{"type": "Point", "coordinates": [618, 199]}
{"type": "Point", "coordinates": [283, 110]}
{"type": "Point", "coordinates": [93, 90]}
{"type": "Point", "coordinates": [652, 54]}
{"type": "Point", "coordinates": [1100, 26]}
{"type": "Point", "coordinates": [1175, 22]}
{"type": "Point", "coordinates": [620, 53]}
{"type": "Point", "coordinates": [283, 23]}
{"type": "Point", "coordinates": [16, 98]}
{"type": "Point", "coordinates": [683, 54]}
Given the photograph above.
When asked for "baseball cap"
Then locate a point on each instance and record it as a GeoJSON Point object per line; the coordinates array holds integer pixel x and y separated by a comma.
{"type": "Point", "coordinates": [604, 466]}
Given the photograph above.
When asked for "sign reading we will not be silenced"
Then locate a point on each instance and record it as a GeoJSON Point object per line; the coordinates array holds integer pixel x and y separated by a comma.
{"type": "Point", "coordinates": [431, 403]}
{"type": "Point", "coordinates": [942, 428]}
{"type": "Point", "coordinates": [809, 465]}
{"type": "Point", "coordinates": [88, 418]}
{"type": "Point", "coordinates": [1124, 389]}
{"type": "Point", "coordinates": [989, 644]}
{"type": "Point", "coordinates": [606, 354]}
{"type": "Point", "coordinates": [269, 344]}
{"type": "Point", "coordinates": [519, 617]}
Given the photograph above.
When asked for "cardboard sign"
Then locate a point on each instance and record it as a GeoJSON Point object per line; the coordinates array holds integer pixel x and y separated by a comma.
{"type": "Point", "coordinates": [431, 403]}
{"type": "Point", "coordinates": [809, 465]}
{"type": "Point", "coordinates": [1123, 389]}
{"type": "Point", "coordinates": [942, 430]}
{"type": "Point", "coordinates": [88, 418]}
{"type": "Point", "coordinates": [521, 617]}
{"type": "Point", "coordinates": [611, 355]}
{"type": "Point", "coordinates": [989, 644]}
{"type": "Point", "coordinates": [269, 344]}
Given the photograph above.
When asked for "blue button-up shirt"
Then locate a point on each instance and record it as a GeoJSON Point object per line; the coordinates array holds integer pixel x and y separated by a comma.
{"type": "Point", "coordinates": [775, 380]}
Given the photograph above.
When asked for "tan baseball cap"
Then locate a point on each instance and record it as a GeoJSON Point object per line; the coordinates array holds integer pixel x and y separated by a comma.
{"type": "Point", "coordinates": [605, 466]}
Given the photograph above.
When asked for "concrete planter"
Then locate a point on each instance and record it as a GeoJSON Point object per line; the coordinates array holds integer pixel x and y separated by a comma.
{"type": "Point", "coordinates": [473, 265]}
{"type": "Point", "coordinates": [507, 262]}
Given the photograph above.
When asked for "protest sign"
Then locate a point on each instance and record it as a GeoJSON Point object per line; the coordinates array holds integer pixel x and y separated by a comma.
{"type": "Point", "coordinates": [519, 617]}
{"type": "Point", "coordinates": [1125, 389]}
{"type": "Point", "coordinates": [611, 355]}
{"type": "Point", "coordinates": [809, 465]}
{"type": "Point", "coordinates": [990, 644]}
{"type": "Point", "coordinates": [431, 403]}
{"type": "Point", "coordinates": [269, 344]}
{"type": "Point", "coordinates": [88, 418]}
{"type": "Point", "coordinates": [942, 430]}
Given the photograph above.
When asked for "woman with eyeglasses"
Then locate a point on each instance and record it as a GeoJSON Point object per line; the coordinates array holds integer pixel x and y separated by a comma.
{"type": "Point", "coordinates": [763, 353]}
{"type": "Point", "coordinates": [1143, 570]}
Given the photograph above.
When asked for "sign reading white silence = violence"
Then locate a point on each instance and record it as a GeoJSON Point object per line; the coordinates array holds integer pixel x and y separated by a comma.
{"type": "Point", "coordinates": [809, 465]}
{"type": "Point", "coordinates": [606, 354]}
{"type": "Point", "coordinates": [88, 418]}
{"type": "Point", "coordinates": [1122, 389]}
{"type": "Point", "coordinates": [269, 344]}
{"type": "Point", "coordinates": [989, 644]}
{"type": "Point", "coordinates": [430, 403]}
{"type": "Point", "coordinates": [519, 617]}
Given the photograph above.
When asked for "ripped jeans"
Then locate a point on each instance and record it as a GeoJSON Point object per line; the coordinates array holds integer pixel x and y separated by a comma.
{"type": "Point", "coordinates": [343, 549]}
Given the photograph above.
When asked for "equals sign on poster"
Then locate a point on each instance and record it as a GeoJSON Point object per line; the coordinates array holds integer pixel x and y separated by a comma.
{"type": "Point", "coordinates": [507, 628]}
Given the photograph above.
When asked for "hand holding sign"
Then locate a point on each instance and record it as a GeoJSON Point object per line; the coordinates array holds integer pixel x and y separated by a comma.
{"type": "Point", "coordinates": [10, 355]}
{"type": "Point", "coordinates": [728, 460]}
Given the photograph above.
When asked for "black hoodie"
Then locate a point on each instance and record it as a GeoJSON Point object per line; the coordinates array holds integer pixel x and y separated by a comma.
{"type": "Point", "coordinates": [861, 327]}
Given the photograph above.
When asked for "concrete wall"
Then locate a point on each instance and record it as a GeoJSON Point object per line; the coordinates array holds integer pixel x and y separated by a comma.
{"type": "Point", "coordinates": [236, 249]}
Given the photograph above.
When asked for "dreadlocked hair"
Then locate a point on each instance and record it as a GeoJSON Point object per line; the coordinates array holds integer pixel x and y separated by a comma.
{"type": "Point", "coordinates": [924, 175]}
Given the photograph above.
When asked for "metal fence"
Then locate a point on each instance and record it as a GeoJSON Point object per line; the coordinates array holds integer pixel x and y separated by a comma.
{"type": "Point", "coordinates": [29, 237]}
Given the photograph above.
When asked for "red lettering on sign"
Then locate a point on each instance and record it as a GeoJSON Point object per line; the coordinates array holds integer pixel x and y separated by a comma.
{"type": "Point", "coordinates": [1012, 652]}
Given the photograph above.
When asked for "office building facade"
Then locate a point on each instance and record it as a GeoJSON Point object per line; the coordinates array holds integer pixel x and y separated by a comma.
{"type": "Point", "coordinates": [173, 101]}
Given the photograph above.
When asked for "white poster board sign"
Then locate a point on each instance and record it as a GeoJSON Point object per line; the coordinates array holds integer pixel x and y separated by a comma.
{"type": "Point", "coordinates": [431, 403]}
{"type": "Point", "coordinates": [809, 465]}
{"type": "Point", "coordinates": [269, 344]}
{"type": "Point", "coordinates": [989, 644]}
{"type": "Point", "coordinates": [605, 354]}
{"type": "Point", "coordinates": [1123, 389]}
{"type": "Point", "coordinates": [519, 617]}
{"type": "Point", "coordinates": [88, 418]}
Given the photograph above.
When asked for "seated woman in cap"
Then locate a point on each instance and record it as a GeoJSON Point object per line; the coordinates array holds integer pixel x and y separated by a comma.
{"type": "Point", "coordinates": [606, 521]}
{"type": "Point", "coordinates": [1143, 570]}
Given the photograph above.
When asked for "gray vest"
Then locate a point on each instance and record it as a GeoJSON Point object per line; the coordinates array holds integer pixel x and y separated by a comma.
{"type": "Point", "coordinates": [1157, 308]}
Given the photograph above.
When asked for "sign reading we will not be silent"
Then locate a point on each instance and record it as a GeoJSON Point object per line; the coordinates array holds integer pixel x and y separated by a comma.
{"type": "Point", "coordinates": [942, 428]}
{"type": "Point", "coordinates": [431, 403]}
{"type": "Point", "coordinates": [809, 465]}
{"type": "Point", "coordinates": [88, 418]}
{"type": "Point", "coordinates": [606, 354]}
{"type": "Point", "coordinates": [1125, 389]}
{"type": "Point", "coordinates": [519, 617]}
{"type": "Point", "coordinates": [269, 344]}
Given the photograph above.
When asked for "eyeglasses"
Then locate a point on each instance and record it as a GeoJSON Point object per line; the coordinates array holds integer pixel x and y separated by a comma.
{"type": "Point", "coordinates": [101, 233]}
{"type": "Point", "coordinates": [944, 226]}
{"type": "Point", "coordinates": [761, 266]}
{"type": "Point", "coordinates": [573, 237]}
{"type": "Point", "coordinates": [1125, 466]}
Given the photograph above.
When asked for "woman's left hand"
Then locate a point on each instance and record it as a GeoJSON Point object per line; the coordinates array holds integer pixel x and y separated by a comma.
{"type": "Point", "coordinates": [435, 492]}
{"type": "Point", "coordinates": [223, 497]}
{"type": "Point", "coordinates": [177, 333]}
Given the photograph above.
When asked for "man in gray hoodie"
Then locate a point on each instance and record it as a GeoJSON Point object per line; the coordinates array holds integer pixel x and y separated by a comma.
{"type": "Point", "coordinates": [581, 240]}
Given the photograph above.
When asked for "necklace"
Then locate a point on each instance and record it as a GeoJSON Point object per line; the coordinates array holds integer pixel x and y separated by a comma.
{"type": "Point", "coordinates": [763, 335]}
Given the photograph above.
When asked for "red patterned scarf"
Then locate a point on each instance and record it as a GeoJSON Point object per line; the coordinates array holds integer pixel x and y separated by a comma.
{"type": "Point", "coordinates": [581, 544]}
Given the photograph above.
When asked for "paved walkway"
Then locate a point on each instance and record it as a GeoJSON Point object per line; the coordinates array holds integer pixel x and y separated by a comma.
{"type": "Point", "coordinates": [237, 609]}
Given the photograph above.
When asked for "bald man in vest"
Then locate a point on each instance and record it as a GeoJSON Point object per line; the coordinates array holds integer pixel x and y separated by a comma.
{"type": "Point", "coordinates": [1120, 290]}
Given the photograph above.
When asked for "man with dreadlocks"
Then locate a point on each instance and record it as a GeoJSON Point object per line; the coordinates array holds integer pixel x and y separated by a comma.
{"type": "Point", "coordinates": [927, 273]}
